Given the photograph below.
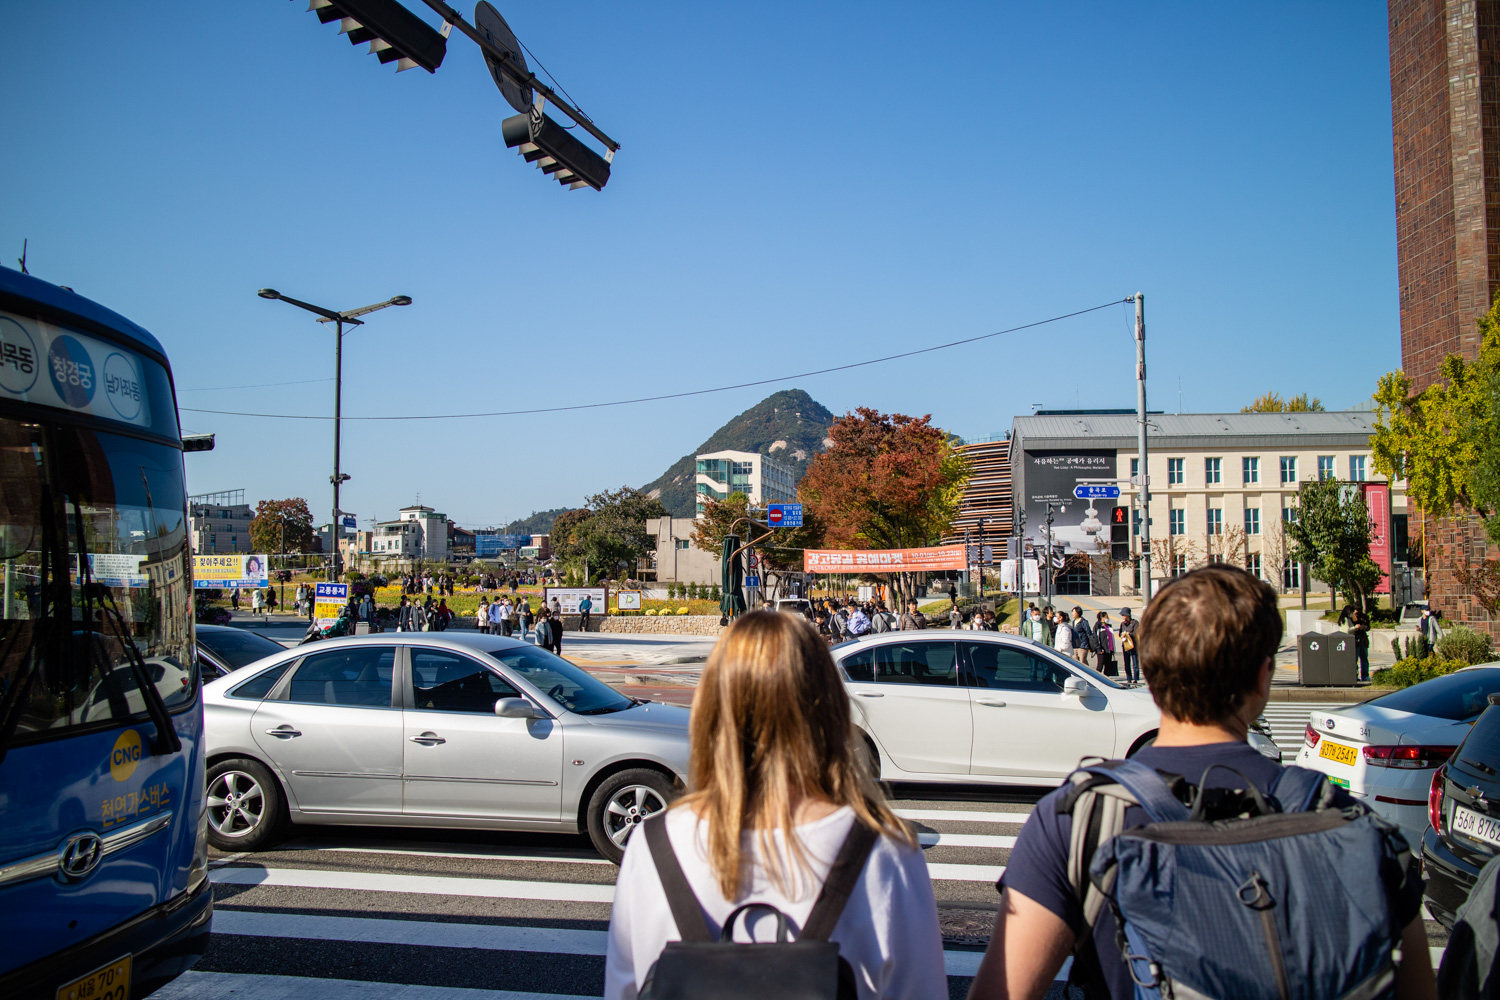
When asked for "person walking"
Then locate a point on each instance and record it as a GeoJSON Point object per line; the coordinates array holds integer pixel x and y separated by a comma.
{"type": "Point", "coordinates": [1128, 657]}
{"type": "Point", "coordinates": [953, 595]}
{"type": "Point", "coordinates": [1062, 635]}
{"type": "Point", "coordinates": [507, 616]}
{"type": "Point", "coordinates": [1031, 625]}
{"type": "Point", "coordinates": [257, 601]}
{"type": "Point", "coordinates": [1210, 691]}
{"type": "Point", "coordinates": [911, 617]}
{"type": "Point", "coordinates": [556, 608]}
{"type": "Point", "coordinates": [270, 600]}
{"type": "Point", "coordinates": [496, 618]}
{"type": "Point", "coordinates": [779, 791]}
{"type": "Point", "coordinates": [1359, 624]}
{"type": "Point", "coordinates": [859, 622]}
{"type": "Point", "coordinates": [523, 617]}
{"type": "Point", "coordinates": [482, 616]}
{"type": "Point", "coordinates": [441, 616]}
{"type": "Point", "coordinates": [1104, 646]}
{"type": "Point", "coordinates": [584, 607]}
{"type": "Point", "coordinates": [406, 620]}
{"type": "Point", "coordinates": [421, 621]}
{"type": "Point", "coordinates": [367, 610]}
{"type": "Point", "coordinates": [555, 633]}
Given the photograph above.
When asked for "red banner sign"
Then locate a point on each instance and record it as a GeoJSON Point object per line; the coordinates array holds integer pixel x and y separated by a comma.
{"type": "Point", "coordinates": [938, 557]}
{"type": "Point", "coordinates": [1378, 499]}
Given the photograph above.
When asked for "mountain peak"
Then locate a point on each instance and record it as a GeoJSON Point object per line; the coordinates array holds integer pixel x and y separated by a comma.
{"type": "Point", "coordinates": [789, 425]}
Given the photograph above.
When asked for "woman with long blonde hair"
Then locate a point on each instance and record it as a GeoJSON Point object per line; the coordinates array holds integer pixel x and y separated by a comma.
{"type": "Point", "coordinates": [779, 787]}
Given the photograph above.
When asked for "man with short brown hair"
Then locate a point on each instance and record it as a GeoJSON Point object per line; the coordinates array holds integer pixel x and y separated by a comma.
{"type": "Point", "coordinates": [1207, 643]}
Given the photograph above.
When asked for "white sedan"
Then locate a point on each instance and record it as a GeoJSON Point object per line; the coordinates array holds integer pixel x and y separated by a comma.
{"type": "Point", "coordinates": [1386, 750]}
{"type": "Point", "coordinates": [986, 707]}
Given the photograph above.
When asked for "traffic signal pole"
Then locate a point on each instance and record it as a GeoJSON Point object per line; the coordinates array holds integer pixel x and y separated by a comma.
{"type": "Point", "coordinates": [1143, 495]}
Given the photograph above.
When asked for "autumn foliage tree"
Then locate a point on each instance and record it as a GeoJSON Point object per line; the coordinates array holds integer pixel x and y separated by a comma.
{"type": "Point", "coordinates": [272, 516]}
{"type": "Point", "coordinates": [888, 481]}
{"type": "Point", "coordinates": [779, 548]}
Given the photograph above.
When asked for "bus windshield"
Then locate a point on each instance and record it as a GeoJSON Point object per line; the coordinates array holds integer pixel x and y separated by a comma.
{"type": "Point", "coordinates": [79, 505]}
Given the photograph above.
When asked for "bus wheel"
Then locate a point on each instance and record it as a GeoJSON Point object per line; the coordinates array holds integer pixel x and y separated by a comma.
{"type": "Point", "coordinates": [245, 805]}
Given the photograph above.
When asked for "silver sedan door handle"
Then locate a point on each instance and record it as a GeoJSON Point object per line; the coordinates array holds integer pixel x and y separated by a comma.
{"type": "Point", "coordinates": [284, 732]}
{"type": "Point", "coordinates": [993, 704]}
{"type": "Point", "coordinates": [869, 694]}
{"type": "Point", "coordinates": [428, 739]}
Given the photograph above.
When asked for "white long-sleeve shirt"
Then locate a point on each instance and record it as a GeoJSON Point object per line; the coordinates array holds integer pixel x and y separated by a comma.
{"type": "Point", "coordinates": [1062, 638]}
{"type": "Point", "coordinates": [888, 931]}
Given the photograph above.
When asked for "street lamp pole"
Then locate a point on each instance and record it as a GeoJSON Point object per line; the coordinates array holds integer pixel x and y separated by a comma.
{"type": "Point", "coordinates": [349, 316]}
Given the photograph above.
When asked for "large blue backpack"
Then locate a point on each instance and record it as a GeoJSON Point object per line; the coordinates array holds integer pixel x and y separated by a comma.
{"type": "Point", "coordinates": [1283, 901]}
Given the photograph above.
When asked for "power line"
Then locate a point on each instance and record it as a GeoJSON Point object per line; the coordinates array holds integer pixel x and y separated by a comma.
{"type": "Point", "coordinates": [673, 395]}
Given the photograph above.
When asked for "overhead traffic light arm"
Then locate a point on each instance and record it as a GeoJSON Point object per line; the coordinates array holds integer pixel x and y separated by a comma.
{"type": "Point", "coordinates": [453, 17]}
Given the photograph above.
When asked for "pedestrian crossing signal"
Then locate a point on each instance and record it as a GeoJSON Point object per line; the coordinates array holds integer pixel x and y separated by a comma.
{"type": "Point", "coordinates": [1119, 534]}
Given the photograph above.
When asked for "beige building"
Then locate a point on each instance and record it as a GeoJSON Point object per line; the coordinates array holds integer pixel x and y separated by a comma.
{"type": "Point", "coordinates": [677, 559]}
{"type": "Point", "coordinates": [1222, 486]}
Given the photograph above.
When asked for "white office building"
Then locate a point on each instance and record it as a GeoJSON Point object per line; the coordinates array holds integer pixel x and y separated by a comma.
{"type": "Point", "coordinates": [418, 533]}
{"type": "Point", "coordinates": [219, 523]}
{"type": "Point", "coordinates": [761, 477]}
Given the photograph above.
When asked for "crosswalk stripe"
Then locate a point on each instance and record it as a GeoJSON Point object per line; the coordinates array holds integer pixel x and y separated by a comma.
{"type": "Point", "coordinates": [446, 934]}
{"type": "Point", "coordinates": [195, 985]}
{"type": "Point", "coordinates": [438, 885]}
{"type": "Point", "coordinates": [959, 815]}
{"type": "Point", "coordinates": [465, 855]}
{"type": "Point", "coordinates": [964, 873]}
{"type": "Point", "coordinates": [965, 840]}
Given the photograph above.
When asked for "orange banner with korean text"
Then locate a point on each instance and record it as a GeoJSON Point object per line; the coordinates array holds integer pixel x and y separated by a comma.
{"type": "Point", "coordinates": [937, 557]}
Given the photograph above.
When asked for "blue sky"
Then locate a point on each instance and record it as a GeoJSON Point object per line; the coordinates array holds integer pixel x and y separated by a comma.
{"type": "Point", "coordinates": [800, 185]}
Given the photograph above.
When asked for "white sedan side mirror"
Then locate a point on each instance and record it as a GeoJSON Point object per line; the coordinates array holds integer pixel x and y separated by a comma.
{"type": "Point", "coordinates": [514, 708]}
{"type": "Point", "coordinates": [1076, 686]}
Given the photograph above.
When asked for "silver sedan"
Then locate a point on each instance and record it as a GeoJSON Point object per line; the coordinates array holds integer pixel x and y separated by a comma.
{"type": "Point", "coordinates": [472, 731]}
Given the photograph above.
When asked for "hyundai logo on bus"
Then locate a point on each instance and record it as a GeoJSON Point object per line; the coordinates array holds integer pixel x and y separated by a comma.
{"type": "Point", "coordinates": [784, 515]}
{"type": "Point", "coordinates": [79, 855]}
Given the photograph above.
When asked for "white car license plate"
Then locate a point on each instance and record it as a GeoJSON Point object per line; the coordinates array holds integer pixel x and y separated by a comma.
{"type": "Point", "coordinates": [1472, 824]}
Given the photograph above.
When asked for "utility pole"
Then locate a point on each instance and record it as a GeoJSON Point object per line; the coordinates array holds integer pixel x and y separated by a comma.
{"type": "Point", "coordinates": [1143, 495]}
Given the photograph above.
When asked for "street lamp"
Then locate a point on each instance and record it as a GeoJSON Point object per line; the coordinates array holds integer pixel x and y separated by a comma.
{"type": "Point", "coordinates": [349, 316]}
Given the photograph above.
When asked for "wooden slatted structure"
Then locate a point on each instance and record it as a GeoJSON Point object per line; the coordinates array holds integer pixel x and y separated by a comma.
{"type": "Point", "coordinates": [988, 502]}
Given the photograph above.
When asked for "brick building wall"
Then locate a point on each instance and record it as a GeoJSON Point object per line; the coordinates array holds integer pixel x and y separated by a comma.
{"type": "Point", "coordinates": [1445, 123]}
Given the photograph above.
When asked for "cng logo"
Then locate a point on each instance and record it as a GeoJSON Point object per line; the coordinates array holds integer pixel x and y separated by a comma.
{"type": "Point", "coordinates": [125, 756]}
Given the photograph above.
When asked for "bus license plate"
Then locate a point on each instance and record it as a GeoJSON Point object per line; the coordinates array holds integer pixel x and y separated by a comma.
{"type": "Point", "coordinates": [1472, 824]}
{"type": "Point", "coordinates": [1339, 752]}
{"type": "Point", "coordinates": [109, 983]}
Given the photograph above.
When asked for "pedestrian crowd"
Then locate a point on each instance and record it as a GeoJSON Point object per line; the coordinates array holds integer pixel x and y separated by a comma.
{"type": "Point", "coordinates": [1199, 867]}
{"type": "Point", "coordinates": [840, 619]}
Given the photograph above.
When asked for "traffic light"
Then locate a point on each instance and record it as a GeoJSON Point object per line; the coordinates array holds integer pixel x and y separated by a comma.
{"type": "Point", "coordinates": [554, 150]}
{"type": "Point", "coordinates": [395, 34]}
{"type": "Point", "coordinates": [1119, 534]}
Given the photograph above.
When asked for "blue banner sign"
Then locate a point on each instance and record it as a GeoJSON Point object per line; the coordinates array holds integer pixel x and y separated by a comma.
{"type": "Point", "coordinates": [492, 545]}
{"type": "Point", "coordinates": [1096, 492]}
{"type": "Point", "coordinates": [784, 515]}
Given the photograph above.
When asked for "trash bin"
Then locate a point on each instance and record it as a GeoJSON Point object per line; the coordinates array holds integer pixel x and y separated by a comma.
{"type": "Point", "coordinates": [1312, 659]}
{"type": "Point", "coordinates": [1343, 667]}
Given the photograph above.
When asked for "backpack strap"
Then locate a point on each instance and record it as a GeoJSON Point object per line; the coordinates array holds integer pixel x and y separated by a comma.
{"type": "Point", "coordinates": [1300, 789]}
{"type": "Point", "coordinates": [687, 912]}
{"type": "Point", "coordinates": [1147, 787]}
{"type": "Point", "coordinates": [840, 883]}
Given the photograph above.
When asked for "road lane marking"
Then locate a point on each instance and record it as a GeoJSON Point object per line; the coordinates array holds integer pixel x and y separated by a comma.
{"type": "Point", "coordinates": [965, 840]}
{"type": "Point", "coordinates": [195, 985]}
{"type": "Point", "coordinates": [432, 885]}
{"type": "Point", "coordinates": [965, 873]}
{"type": "Point", "coordinates": [464, 855]}
{"type": "Point", "coordinates": [959, 816]}
{"type": "Point", "coordinates": [446, 934]}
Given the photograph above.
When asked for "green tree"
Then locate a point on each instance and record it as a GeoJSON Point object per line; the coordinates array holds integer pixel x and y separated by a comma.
{"type": "Point", "coordinates": [1271, 402]}
{"type": "Point", "coordinates": [781, 548]}
{"type": "Point", "coordinates": [1332, 535]}
{"type": "Point", "coordinates": [270, 518]}
{"type": "Point", "coordinates": [607, 534]}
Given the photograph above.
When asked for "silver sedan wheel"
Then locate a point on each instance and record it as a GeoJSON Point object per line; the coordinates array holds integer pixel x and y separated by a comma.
{"type": "Point", "coordinates": [628, 808]}
{"type": "Point", "coordinates": [236, 804]}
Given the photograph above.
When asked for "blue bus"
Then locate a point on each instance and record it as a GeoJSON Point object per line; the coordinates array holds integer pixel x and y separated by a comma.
{"type": "Point", "coordinates": [104, 891]}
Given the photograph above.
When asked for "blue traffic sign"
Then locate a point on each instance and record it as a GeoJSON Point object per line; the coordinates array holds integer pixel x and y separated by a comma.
{"type": "Point", "coordinates": [1096, 492]}
{"type": "Point", "coordinates": [752, 581]}
{"type": "Point", "coordinates": [784, 515]}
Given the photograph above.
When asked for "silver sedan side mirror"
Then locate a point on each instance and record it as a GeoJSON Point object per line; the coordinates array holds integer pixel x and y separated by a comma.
{"type": "Point", "coordinates": [514, 708]}
{"type": "Point", "coordinates": [1075, 686]}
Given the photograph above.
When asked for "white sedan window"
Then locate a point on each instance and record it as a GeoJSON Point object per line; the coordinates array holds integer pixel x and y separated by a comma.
{"type": "Point", "coordinates": [993, 665]}
{"type": "Point", "coordinates": [933, 662]}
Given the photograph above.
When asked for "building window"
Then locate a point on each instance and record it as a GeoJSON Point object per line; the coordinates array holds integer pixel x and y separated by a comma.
{"type": "Point", "coordinates": [1289, 515]}
{"type": "Point", "coordinates": [1252, 563]}
{"type": "Point", "coordinates": [683, 543]}
{"type": "Point", "coordinates": [1215, 520]}
{"type": "Point", "coordinates": [1356, 468]}
{"type": "Point", "coordinates": [1288, 469]}
{"type": "Point", "coordinates": [1252, 520]}
{"type": "Point", "coordinates": [1216, 557]}
{"type": "Point", "coordinates": [1174, 472]}
{"type": "Point", "coordinates": [212, 539]}
{"type": "Point", "coordinates": [1179, 565]}
{"type": "Point", "coordinates": [1213, 471]}
{"type": "Point", "coordinates": [1135, 521]}
{"type": "Point", "coordinates": [1325, 466]}
{"type": "Point", "coordinates": [1135, 467]}
{"type": "Point", "coordinates": [1250, 470]}
{"type": "Point", "coordinates": [1291, 575]}
{"type": "Point", "coordinates": [1177, 521]}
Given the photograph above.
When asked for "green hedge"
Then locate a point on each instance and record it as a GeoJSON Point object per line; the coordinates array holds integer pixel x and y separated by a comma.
{"type": "Point", "coordinates": [1414, 671]}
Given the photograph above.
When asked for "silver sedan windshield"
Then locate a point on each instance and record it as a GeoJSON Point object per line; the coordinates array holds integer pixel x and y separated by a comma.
{"type": "Point", "coordinates": [564, 683]}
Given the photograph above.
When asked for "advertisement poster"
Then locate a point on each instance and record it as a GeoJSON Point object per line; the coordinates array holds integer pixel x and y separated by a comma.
{"type": "Point", "coordinates": [1079, 525]}
{"type": "Point", "coordinates": [1378, 499]}
{"type": "Point", "coordinates": [329, 598]}
{"type": "Point", "coordinates": [629, 600]}
{"type": "Point", "coordinates": [114, 569]}
{"type": "Point", "coordinates": [937, 557]}
{"type": "Point", "coordinates": [1031, 576]}
{"type": "Point", "coordinates": [228, 572]}
{"type": "Point", "coordinates": [569, 597]}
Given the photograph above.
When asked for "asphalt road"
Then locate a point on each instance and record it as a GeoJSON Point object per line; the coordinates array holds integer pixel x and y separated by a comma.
{"type": "Point", "coordinates": [337, 912]}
